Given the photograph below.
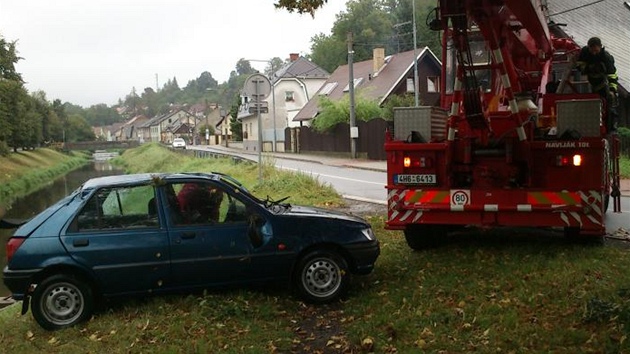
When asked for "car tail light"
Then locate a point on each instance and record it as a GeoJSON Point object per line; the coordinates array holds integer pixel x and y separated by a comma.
{"type": "Point", "coordinates": [565, 160]}
{"type": "Point", "coordinates": [13, 245]}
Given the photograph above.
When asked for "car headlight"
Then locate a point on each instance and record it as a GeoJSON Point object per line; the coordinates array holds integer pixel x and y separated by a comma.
{"type": "Point", "coordinates": [369, 234]}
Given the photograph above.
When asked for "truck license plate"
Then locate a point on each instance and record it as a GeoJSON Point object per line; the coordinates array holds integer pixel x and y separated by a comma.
{"type": "Point", "coordinates": [415, 179]}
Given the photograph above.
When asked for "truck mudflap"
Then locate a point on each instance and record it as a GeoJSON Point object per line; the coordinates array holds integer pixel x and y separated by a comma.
{"type": "Point", "coordinates": [582, 209]}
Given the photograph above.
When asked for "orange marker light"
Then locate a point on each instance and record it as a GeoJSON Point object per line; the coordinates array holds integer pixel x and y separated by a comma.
{"type": "Point", "coordinates": [577, 160]}
{"type": "Point", "coordinates": [407, 161]}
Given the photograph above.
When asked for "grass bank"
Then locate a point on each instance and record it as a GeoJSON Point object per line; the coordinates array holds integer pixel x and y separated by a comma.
{"type": "Point", "coordinates": [24, 172]}
{"type": "Point", "coordinates": [302, 188]}
{"type": "Point", "coordinates": [624, 167]}
{"type": "Point", "coordinates": [500, 291]}
{"type": "Point", "coordinates": [480, 292]}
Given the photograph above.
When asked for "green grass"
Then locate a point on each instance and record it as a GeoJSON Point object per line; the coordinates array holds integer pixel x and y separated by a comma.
{"type": "Point", "coordinates": [507, 291]}
{"type": "Point", "coordinates": [495, 291]}
{"type": "Point", "coordinates": [624, 167]}
{"type": "Point", "coordinates": [302, 188]}
{"type": "Point", "coordinates": [24, 172]}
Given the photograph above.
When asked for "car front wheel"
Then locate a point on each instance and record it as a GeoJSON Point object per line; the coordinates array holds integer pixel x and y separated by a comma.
{"type": "Point", "coordinates": [61, 301]}
{"type": "Point", "coordinates": [322, 276]}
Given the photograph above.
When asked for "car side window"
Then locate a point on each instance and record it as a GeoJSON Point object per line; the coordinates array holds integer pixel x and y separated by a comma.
{"type": "Point", "coordinates": [203, 203]}
{"type": "Point", "coordinates": [118, 208]}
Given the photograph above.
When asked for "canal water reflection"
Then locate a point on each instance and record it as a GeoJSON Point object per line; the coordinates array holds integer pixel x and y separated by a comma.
{"type": "Point", "coordinates": [31, 205]}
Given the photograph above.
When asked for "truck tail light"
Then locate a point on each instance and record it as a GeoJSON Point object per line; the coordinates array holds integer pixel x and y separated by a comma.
{"type": "Point", "coordinates": [416, 162]}
{"type": "Point", "coordinates": [565, 160]}
{"type": "Point", "coordinates": [12, 246]}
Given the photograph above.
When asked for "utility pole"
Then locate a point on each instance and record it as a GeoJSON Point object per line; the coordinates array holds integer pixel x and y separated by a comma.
{"type": "Point", "coordinates": [273, 107]}
{"type": "Point", "coordinates": [415, 55]}
{"type": "Point", "coordinates": [260, 135]}
{"type": "Point", "coordinates": [354, 131]}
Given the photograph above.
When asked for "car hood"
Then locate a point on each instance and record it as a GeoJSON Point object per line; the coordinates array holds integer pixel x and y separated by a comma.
{"type": "Point", "coordinates": [304, 211]}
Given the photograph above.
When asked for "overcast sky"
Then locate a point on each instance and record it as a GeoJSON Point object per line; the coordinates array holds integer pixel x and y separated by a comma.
{"type": "Point", "coordinates": [94, 51]}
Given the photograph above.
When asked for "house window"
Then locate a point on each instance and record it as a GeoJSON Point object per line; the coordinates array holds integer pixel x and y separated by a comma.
{"type": "Point", "coordinates": [328, 88]}
{"type": "Point", "coordinates": [357, 82]}
{"type": "Point", "coordinates": [410, 86]}
{"type": "Point", "coordinates": [288, 96]}
{"type": "Point", "coordinates": [433, 84]}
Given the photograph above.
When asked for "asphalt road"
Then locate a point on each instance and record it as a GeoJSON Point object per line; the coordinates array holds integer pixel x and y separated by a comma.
{"type": "Point", "coordinates": [369, 186]}
{"type": "Point", "coordinates": [352, 183]}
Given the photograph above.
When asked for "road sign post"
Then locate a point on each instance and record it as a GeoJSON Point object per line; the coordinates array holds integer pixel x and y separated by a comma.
{"type": "Point", "coordinates": [258, 87]}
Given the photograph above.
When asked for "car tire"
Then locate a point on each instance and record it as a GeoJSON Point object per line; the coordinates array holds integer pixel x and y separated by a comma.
{"type": "Point", "coordinates": [322, 276]}
{"type": "Point", "coordinates": [61, 301]}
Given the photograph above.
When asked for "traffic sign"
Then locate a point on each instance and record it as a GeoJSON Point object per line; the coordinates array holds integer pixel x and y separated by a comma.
{"type": "Point", "coordinates": [257, 87]}
{"type": "Point", "coordinates": [253, 109]}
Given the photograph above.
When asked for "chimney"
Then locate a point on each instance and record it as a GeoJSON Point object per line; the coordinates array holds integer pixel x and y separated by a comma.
{"type": "Point", "coordinates": [378, 59]}
{"type": "Point", "coordinates": [294, 56]}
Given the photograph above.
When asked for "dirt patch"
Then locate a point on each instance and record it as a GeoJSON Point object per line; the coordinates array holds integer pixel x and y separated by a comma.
{"type": "Point", "coordinates": [362, 208]}
{"type": "Point", "coordinates": [318, 329]}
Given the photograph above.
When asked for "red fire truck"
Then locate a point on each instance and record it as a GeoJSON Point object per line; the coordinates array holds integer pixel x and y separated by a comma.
{"type": "Point", "coordinates": [519, 140]}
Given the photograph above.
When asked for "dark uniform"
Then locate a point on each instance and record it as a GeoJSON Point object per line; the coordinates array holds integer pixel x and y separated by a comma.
{"type": "Point", "coordinates": [599, 65]}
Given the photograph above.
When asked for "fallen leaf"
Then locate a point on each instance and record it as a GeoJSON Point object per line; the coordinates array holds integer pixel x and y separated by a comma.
{"type": "Point", "coordinates": [367, 344]}
{"type": "Point", "coordinates": [29, 335]}
{"type": "Point", "coordinates": [52, 340]}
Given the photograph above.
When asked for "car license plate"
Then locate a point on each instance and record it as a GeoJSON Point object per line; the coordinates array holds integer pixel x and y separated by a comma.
{"type": "Point", "coordinates": [415, 179]}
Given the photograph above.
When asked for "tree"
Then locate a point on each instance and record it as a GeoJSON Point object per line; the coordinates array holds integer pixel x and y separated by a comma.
{"type": "Point", "coordinates": [272, 66]}
{"type": "Point", "coordinates": [335, 112]}
{"type": "Point", "coordinates": [100, 115]}
{"type": "Point", "coordinates": [328, 52]}
{"type": "Point", "coordinates": [78, 129]}
{"type": "Point", "coordinates": [371, 25]}
{"type": "Point", "coordinates": [243, 67]}
{"type": "Point", "coordinates": [301, 6]}
{"type": "Point", "coordinates": [8, 59]}
{"type": "Point", "coordinates": [236, 126]}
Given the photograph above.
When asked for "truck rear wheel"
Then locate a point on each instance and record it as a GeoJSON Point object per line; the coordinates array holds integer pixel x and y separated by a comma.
{"type": "Point", "coordinates": [421, 237]}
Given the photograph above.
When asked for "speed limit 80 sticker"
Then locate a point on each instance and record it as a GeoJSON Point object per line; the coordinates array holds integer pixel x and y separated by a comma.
{"type": "Point", "coordinates": [460, 197]}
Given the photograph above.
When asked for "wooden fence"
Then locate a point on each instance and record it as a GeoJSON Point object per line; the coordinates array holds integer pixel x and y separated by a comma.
{"type": "Point", "coordinates": [370, 143]}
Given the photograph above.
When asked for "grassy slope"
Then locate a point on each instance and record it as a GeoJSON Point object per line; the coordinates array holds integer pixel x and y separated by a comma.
{"type": "Point", "coordinates": [300, 187]}
{"type": "Point", "coordinates": [26, 171]}
{"type": "Point", "coordinates": [624, 167]}
{"type": "Point", "coordinates": [494, 291]}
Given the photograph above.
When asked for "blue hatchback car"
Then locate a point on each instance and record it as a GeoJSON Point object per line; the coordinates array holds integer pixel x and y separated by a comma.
{"type": "Point", "coordinates": [152, 233]}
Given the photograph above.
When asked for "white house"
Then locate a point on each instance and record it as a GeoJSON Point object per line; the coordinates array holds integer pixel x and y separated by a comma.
{"type": "Point", "coordinates": [292, 87]}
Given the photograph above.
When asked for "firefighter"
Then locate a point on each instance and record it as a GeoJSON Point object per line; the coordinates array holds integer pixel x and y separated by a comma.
{"type": "Point", "coordinates": [599, 66]}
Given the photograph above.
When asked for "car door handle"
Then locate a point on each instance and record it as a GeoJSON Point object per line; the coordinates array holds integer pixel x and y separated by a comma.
{"type": "Point", "coordinates": [188, 235]}
{"type": "Point", "coordinates": [81, 243]}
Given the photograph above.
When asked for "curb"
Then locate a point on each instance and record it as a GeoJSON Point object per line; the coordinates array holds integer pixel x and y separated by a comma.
{"type": "Point", "coordinates": [291, 157]}
{"type": "Point", "coordinates": [364, 200]}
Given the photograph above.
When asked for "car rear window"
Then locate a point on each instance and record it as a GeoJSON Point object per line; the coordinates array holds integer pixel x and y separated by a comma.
{"type": "Point", "coordinates": [118, 208]}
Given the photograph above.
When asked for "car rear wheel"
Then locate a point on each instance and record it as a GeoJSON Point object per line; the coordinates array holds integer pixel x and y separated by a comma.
{"type": "Point", "coordinates": [322, 276]}
{"type": "Point", "coordinates": [61, 301]}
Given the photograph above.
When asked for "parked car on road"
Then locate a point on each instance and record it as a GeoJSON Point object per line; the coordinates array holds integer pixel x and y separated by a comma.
{"type": "Point", "coordinates": [179, 143]}
{"type": "Point", "coordinates": [153, 233]}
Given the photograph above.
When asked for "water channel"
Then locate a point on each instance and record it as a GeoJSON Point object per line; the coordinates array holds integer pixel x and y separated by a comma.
{"type": "Point", "coordinates": [31, 205]}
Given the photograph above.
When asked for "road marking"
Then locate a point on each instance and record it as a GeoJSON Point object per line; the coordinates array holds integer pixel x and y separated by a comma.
{"type": "Point", "coordinates": [331, 176]}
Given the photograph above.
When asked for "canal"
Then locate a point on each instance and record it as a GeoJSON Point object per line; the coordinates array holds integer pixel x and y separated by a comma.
{"type": "Point", "coordinates": [31, 205]}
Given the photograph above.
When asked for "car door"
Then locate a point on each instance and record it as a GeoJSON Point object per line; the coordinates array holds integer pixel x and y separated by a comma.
{"type": "Point", "coordinates": [118, 235]}
{"type": "Point", "coordinates": [208, 234]}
